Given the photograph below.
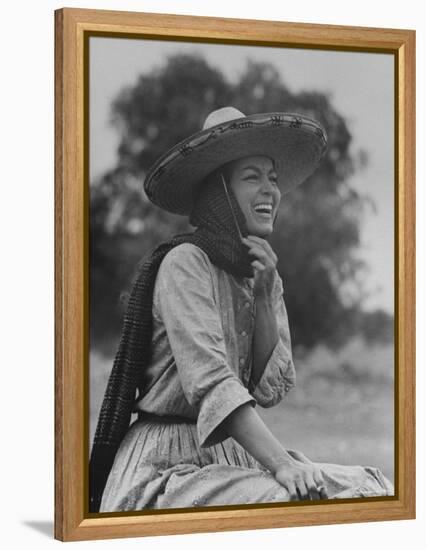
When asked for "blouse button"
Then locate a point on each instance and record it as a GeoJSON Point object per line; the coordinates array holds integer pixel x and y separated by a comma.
{"type": "Point", "coordinates": [242, 360]}
{"type": "Point", "coordinates": [244, 333]}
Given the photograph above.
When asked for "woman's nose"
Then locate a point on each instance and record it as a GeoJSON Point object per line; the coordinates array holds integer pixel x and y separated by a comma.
{"type": "Point", "coordinates": [267, 185]}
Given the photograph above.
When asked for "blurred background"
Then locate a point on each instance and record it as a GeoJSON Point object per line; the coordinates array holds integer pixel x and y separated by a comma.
{"type": "Point", "coordinates": [334, 237]}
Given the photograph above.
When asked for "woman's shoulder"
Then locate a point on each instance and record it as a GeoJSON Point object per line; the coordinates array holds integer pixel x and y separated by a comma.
{"type": "Point", "coordinates": [185, 252]}
{"type": "Point", "coordinates": [186, 258]}
{"type": "Point", "coordinates": [184, 268]}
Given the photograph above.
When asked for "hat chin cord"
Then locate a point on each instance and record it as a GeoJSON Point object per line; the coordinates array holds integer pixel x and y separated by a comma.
{"type": "Point", "coordinates": [231, 207]}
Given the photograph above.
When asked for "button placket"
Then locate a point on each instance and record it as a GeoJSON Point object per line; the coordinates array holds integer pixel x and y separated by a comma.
{"type": "Point", "coordinates": [246, 327]}
{"type": "Point", "coordinates": [243, 295]}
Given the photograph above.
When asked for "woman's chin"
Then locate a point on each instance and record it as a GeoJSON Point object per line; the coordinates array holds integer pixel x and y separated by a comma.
{"type": "Point", "coordinates": [260, 230]}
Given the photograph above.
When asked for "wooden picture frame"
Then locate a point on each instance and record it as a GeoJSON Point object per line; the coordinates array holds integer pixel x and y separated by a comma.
{"type": "Point", "coordinates": [73, 27]}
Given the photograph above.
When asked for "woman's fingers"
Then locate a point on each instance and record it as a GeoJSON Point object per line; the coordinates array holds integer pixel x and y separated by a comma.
{"type": "Point", "coordinates": [263, 244]}
{"type": "Point", "coordinates": [253, 240]}
{"type": "Point", "coordinates": [302, 489]}
{"type": "Point", "coordinates": [307, 488]}
{"type": "Point", "coordinates": [320, 484]}
{"type": "Point", "coordinates": [258, 265]}
{"type": "Point", "coordinates": [312, 488]}
{"type": "Point", "coordinates": [318, 477]}
{"type": "Point", "coordinates": [303, 482]}
{"type": "Point", "coordinates": [261, 254]}
{"type": "Point", "coordinates": [291, 488]}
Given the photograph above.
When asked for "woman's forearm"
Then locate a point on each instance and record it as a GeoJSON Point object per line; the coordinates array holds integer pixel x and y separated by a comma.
{"type": "Point", "coordinates": [302, 481]}
{"type": "Point", "coordinates": [248, 429]}
{"type": "Point", "coordinates": [265, 336]}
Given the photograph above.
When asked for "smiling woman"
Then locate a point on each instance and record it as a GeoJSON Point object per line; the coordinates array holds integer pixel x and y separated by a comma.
{"type": "Point", "coordinates": [254, 182]}
{"type": "Point", "coordinates": [206, 336]}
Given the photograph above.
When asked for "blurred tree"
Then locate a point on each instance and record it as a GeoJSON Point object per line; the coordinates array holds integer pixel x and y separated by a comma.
{"type": "Point", "coordinates": [318, 224]}
{"type": "Point", "coordinates": [376, 326]}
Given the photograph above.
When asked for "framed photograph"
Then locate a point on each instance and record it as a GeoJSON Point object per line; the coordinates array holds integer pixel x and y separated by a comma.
{"type": "Point", "coordinates": [235, 274]}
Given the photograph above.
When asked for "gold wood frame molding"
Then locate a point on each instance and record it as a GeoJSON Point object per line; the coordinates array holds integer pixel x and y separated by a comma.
{"type": "Point", "coordinates": [72, 519]}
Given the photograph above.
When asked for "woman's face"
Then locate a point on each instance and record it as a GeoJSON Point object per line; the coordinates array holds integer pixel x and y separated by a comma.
{"type": "Point", "coordinates": [254, 183]}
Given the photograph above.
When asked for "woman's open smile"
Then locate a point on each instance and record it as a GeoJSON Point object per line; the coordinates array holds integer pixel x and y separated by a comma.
{"type": "Point", "coordinates": [264, 210]}
{"type": "Point", "coordinates": [254, 182]}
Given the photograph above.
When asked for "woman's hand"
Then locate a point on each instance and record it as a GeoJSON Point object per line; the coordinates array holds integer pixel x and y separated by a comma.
{"type": "Point", "coordinates": [264, 264]}
{"type": "Point", "coordinates": [302, 481]}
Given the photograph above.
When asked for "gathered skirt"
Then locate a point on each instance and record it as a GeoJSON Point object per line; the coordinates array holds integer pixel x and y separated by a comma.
{"type": "Point", "coordinates": [160, 464]}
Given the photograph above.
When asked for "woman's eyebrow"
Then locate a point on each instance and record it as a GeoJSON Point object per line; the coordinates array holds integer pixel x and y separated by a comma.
{"type": "Point", "coordinates": [258, 170]}
{"type": "Point", "coordinates": [251, 168]}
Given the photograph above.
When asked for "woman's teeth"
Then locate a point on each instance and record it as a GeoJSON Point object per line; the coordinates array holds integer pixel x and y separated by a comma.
{"type": "Point", "coordinates": [263, 208]}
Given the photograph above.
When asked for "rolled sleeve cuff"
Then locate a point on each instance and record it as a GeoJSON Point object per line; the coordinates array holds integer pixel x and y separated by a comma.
{"type": "Point", "coordinates": [277, 379]}
{"type": "Point", "coordinates": [218, 403]}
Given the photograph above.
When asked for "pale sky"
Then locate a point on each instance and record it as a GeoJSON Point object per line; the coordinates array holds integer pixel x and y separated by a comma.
{"type": "Point", "coordinates": [362, 90]}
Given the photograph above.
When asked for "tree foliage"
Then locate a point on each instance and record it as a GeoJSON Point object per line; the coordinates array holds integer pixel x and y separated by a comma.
{"type": "Point", "coordinates": [317, 232]}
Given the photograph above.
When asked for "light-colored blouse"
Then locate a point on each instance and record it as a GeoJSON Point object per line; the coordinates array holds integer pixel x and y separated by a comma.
{"type": "Point", "coordinates": [203, 325]}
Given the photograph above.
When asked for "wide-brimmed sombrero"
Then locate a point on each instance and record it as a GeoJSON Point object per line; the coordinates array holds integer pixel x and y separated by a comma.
{"type": "Point", "coordinates": [295, 142]}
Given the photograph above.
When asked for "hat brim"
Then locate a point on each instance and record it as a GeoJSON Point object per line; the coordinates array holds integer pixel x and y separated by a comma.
{"type": "Point", "coordinates": [296, 144]}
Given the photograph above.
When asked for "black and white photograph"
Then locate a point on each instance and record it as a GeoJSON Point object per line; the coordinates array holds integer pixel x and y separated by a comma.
{"type": "Point", "coordinates": [241, 274]}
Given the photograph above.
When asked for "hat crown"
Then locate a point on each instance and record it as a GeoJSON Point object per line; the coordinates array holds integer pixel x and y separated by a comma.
{"type": "Point", "coordinates": [225, 114]}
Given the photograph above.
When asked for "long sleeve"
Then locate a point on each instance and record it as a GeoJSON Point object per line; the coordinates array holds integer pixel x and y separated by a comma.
{"type": "Point", "coordinates": [188, 307]}
{"type": "Point", "coordinates": [279, 375]}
